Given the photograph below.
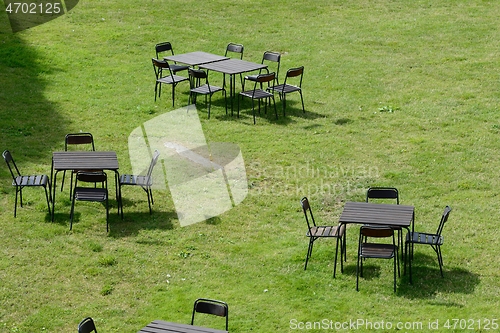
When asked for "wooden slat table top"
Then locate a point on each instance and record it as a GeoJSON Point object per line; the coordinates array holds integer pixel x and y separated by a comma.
{"type": "Point", "coordinates": [375, 213]}
{"type": "Point", "coordinates": [195, 58]}
{"type": "Point", "coordinates": [84, 160]}
{"type": "Point", "coordinates": [160, 326]}
{"type": "Point", "coordinates": [233, 66]}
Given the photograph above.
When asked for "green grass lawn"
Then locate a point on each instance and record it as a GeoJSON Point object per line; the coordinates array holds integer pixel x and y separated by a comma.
{"type": "Point", "coordinates": [397, 93]}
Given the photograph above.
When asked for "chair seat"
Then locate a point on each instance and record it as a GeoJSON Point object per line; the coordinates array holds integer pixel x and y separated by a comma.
{"type": "Point", "coordinates": [326, 231]}
{"type": "Point", "coordinates": [424, 238]}
{"type": "Point", "coordinates": [284, 88]}
{"type": "Point", "coordinates": [172, 79]}
{"type": "Point", "coordinates": [37, 180]}
{"type": "Point", "coordinates": [204, 89]}
{"type": "Point", "coordinates": [373, 250]}
{"type": "Point", "coordinates": [91, 194]}
{"type": "Point", "coordinates": [257, 94]}
{"type": "Point", "coordinates": [135, 180]}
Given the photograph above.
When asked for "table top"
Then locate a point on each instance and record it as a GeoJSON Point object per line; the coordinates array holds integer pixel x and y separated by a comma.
{"type": "Point", "coordinates": [84, 160]}
{"type": "Point", "coordinates": [233, 66]}
{"type": "Point", "coordinates": [160, 326]}
{"type": "Point", "coordinates": [195, 58]}
{"type": "Point", "coordinates": [375, 213]}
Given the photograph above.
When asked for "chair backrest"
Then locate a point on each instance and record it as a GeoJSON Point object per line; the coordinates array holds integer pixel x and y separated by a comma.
{"type": "Point", "coordinates": [91, 177]}
{"type": "Point", "coordinates": [163, 47]}
{"type": "Point", "coordinates": [263, 78]}
{"type": "Point", "coordinates": [273, 57]}
{"type": "Point", "coordinates": [196, 76]}
{"type": "Point", "coordinates": [444, 218]}
{"type": "Point", "coordinates": [154, 160]}
{"type": "Point", "coordinates": [14, 171]}
{"type": "Point", "coordinates": [79, 139]}
{"type": "Point", "coordinates": [159, 66]}
{"type": "Point", "coordinates": [87, 326]}
{"type": "Point", "coordinates": [295, 72]}
{"type": "Point", "coordinates": [235, 48]}
{"type": "Point", "coordinates": [376, 231]}
{"type": "Point", "coordinates": [382, 193]}
{"type": "Point", "coordinates": [212, 307]}
{"type": "Point", "coordinates": [306, 208]}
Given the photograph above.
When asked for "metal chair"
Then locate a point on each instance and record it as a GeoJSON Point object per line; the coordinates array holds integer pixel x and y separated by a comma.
{"type": "Point", "coordinates": [435, 240]}
{"type": "Point", "coordinates": [94, 193]}
{"type": "Point", "coordinates": [211, 307]}
{"type": "Point", "coordinates": [376, 250]}
{"type": "Point", "coordinates": [269, 57]}
{"type": "Point", "coordinates": [76, 139]}
{"type": "Point", "coordinates": [144, 181]}
{"type": "Point", "coordinates": [236, 49]}
{"type": "Point", "coordinates": [168, 77]}
{"type": "Point", "coordinates": [258, 93]}
{"type": "Point", "coordinates": [293, 74]}
{"type": "Point", "coordinates": [167, 47]}
{"type": "Point", "coordinates": [201, 86]}
{"type": "Point", "coordinates": [384, 194]}
{"type": "Point", "coordinates": [315, 232]}
{"type": "Point", "coordinates": [87, 326]}
{"type": "Point", "coordinates": [20, 181]}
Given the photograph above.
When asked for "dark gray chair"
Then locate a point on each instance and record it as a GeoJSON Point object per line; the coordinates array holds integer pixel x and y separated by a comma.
{"type": "Point", "coordinates": [367, 249]}
{"type": "Point", "coordinates": [292, 83]}
{"type": "Point", "coordinates": [201, 86]}
{"type": "Point", "coordinates": [211, 307]}
{"type": "Point", "coordinates": [76, 139]}
{"type": "Point", "coordinates": [435, 240]}
{"type": "Point", "coordinates": [93, 193]}
{"type": "Point", "coordinates": [315, 232]}
{"type": "Point", "coordinates": [20, 181]}
{"type": "Point", "coordinates": [144, 181]}
{"type": "Point", "coordinates": [258, 93]}
{"type": "Point", "coordinates": [165, 75]}
{"type": "Point", "coordinates": [270, 58]}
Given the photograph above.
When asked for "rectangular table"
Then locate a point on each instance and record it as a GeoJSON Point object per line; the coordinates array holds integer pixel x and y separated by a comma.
{"type": "Point", "coordinates": [82, 160]}
{"type": "Point", "coordinates": [232, 67]}
{"type": "Point", "coordinates": [160, 326]}
{"type": "Point", "coordinates": [195, 58]}
{"type": "Point", "coordinates": [401, 216]}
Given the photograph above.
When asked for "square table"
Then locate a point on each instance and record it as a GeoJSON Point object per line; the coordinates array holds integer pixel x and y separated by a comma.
{"type": "Point", "coordinates": [378, 214]}
{"type": "Point", "coordinates": [82, 160]}
{"type": "Point", "coordinates": [160, 326]}
{"type": "Point", "coordinates": [233, 67]}
{"type": "Point", "coordinates": [195, 58]}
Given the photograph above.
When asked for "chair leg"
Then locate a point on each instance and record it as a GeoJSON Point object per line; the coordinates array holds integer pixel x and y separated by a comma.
{"type": "Point", "coordinates": [440, 259]}
{"type": "Point", "coordinates": [309, 251]}
{"type": "Point", "coordinates": [15, 203]}
{"type": "Point", "coordinates": [395, 258]}
{"type": "Point", "coordinates": [358, 271]}
{"type": "Point", "coordinates": [107, 214]}
{"type": "Point", "coordinates": [302, 100]}
{"type": "Point", "coordinates": [71, 214]}
{"type": "Point", "coordinates": [47, 197]}
{"type": "Point", "coordinates": [173, 94]}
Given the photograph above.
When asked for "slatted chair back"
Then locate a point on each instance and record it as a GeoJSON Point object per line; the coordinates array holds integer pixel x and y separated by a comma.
{"type": "Point", "coordinates": [444, 219]}
{"type": "Point", "coordinates": [211, 307]}
{"type": "Point", "coordinates": [306, 208]}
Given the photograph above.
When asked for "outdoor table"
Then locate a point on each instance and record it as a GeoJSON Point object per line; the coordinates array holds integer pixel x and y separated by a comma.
{"type": "Point", "coordinates": [82, 160]}
{"type": "Point", "coordinates": [195, 58]}
{"type": "Point", "coordinates": [232, 67]}
{"type": "Point", "coordinates": [378, 214]}
{"type": "Point", "coordinates": [160, 326]}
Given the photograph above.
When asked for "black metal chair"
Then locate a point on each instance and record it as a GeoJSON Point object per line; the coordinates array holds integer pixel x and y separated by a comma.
{"type": "Point", "coordinates": [376, 250]}
{"type": "Point", "coordinates": [201, 86]}
{"type": "Point", "coordinates": [166, 47]}
{"type": "Point", "coordinates": [76, 139]}
{"type": "Point", "coordinates": [292, 75]}
{"type": "Point", "coordinates": [269, 58]}
{"type": "Point", "coordinates": [435, 240]}
{"type": "Point", "coordinates": [385, 194]}
{"type": "Point", "coordinates": [161, 66]}
{"type": "Point", "coordinates": [20, 181]}
{"type": "Point", "coordinates": [258, 93]}
{"type": "Point", "coordinates": [211, 307]}
{"type": "Point", "coordinates": [315, 232]}
{"type": "Point", "coordinates": [87, 326]}
{"type": "Point", "coordinates": [144, 181]}
{"type": "Point", "coordinates": [237, 50]}
{"type": "Point", "coordinates": [95, 194]}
